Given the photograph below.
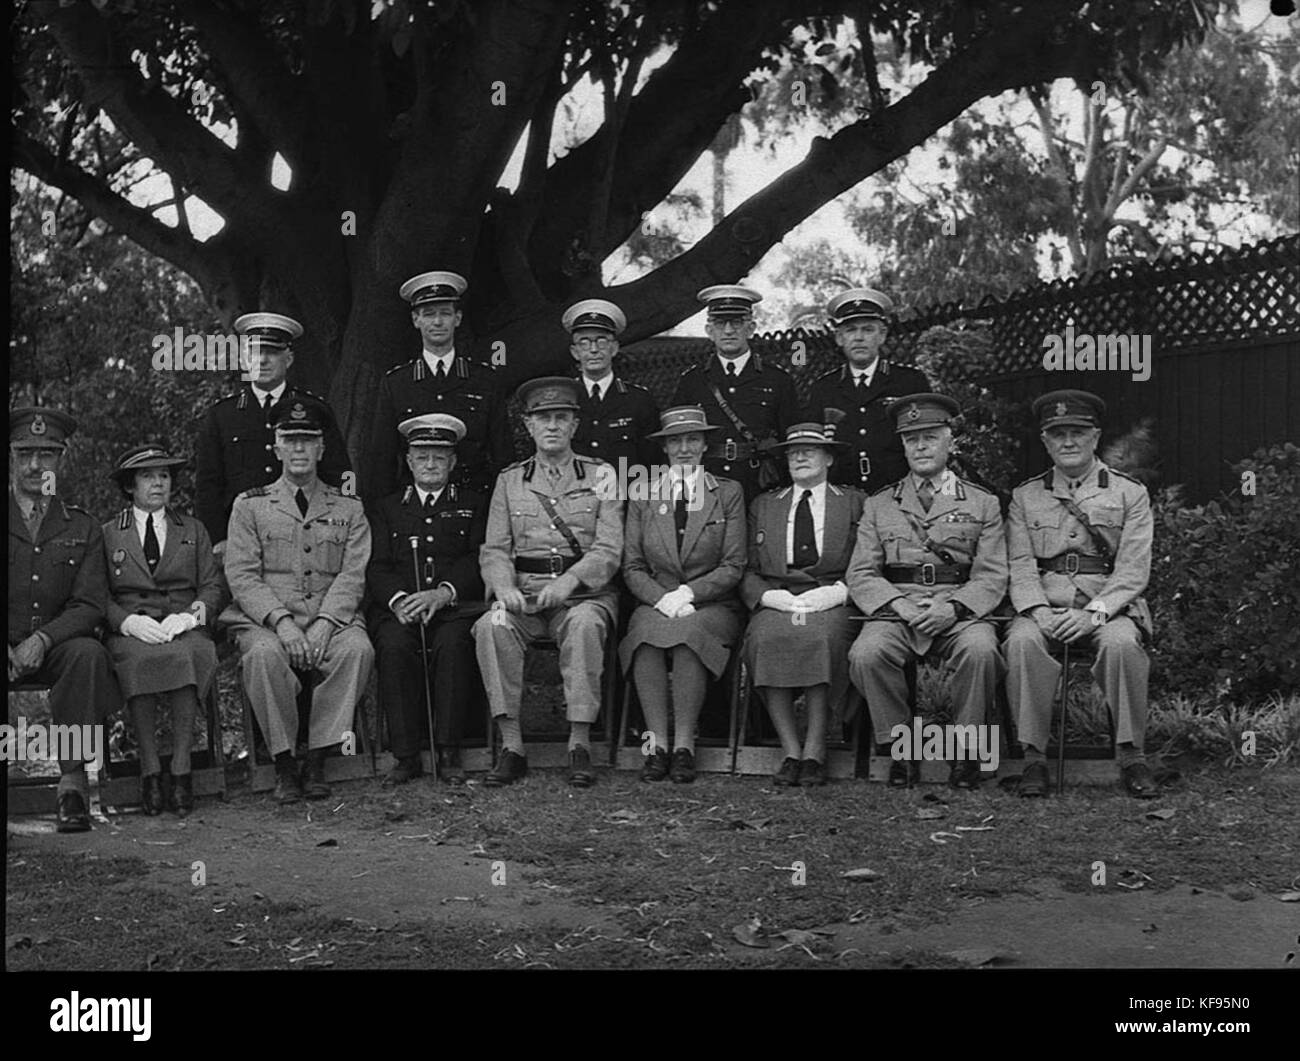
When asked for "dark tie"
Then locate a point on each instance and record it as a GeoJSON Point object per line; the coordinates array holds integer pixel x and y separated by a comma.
{"type": "Point", "coordinates": [679, 516]}
{"type": "Point", "coordinates": [428, 503]}
{"type": "Point", "coordinates": [440, 373]}
{"type": "Point", "coordinates": [151, 550]}
{"type": "Point", "coordinates": [926, 494]}
{"type": "Point", "coordinates": [596, 394]}
{"type": "Point", "coordinates": [731, 369]}
{"type": "Point", "coordinates": [805, 538]}
{"type": "Point", "coordinates": [33, 519]}
{"type": "Point", "coordinates": [266, 405]}
{"type": "Point", "coordinates": [301, 498]}
{"type": "Point", "coordinates": [859, 382]}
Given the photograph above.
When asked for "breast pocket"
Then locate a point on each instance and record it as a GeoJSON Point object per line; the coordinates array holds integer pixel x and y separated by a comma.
{"type": "Point", "coordinates": [1107, 516]}
{"type": "Point", "coordinates": [960, 537]}
{"type": "Point", "coordinates": [331, 542]}
{"type": "Point", "coordinates": [1044, 527]}
{"type": "Point", "coordinates": [901, 548]}
{"type": "Point", "coordinates": [529, 523]}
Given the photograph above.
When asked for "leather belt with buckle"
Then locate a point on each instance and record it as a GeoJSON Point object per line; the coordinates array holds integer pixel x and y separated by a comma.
{"type": "Point", "coordinates": [731, 450]}
{"type": "Point", "coordinates": [553, 565]}
{"type": "Point", "coordinates": [928, 574]}
{"type": "Point", "coordinates": [864, 466]}
{"type": "Point", "coordinates": [1076, 564]}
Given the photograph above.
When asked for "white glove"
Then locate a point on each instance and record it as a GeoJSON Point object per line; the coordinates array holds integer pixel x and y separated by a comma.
{"type": "Point", "coordinates": [823, 598]}
{"type": "Point", "coordinates": [781, 600]}
{"type": "Point", "coordinates": [142, 628]}
{"type": "Point", "coordinates": [670, 603]}
{"type": "Point", "coordinates": [686, 609]}
{"type": "Point", "coordinates": [176, 624]}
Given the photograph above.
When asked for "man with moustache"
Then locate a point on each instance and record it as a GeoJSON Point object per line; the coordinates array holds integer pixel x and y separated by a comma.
{"type": "Point", "coordinates": [615, 417]}
{"type": "Point", "coordinates": [441, 380]}
{"type": "Point", "coordinates": [754, 402]}
{"type": "Point", "coordinates": [862, 390]}
{"type": "Point", "coordinates": [1079, 544]}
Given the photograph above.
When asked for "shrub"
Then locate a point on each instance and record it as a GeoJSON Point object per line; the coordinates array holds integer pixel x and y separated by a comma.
{"type": "Point", "coordinates": [1225, 586]}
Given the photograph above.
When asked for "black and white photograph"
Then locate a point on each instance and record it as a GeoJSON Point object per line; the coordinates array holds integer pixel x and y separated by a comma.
{"type": "Point", "coordinates": [590, 485]}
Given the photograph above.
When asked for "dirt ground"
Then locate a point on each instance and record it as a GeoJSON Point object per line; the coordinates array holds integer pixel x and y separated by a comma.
{"type": "Point", "coordinates": [724, 873]}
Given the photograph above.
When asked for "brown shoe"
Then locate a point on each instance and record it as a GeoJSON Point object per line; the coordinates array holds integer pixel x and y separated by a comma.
{"type": "Point", "coordinates": [656, 766]}
{"type": "Point", "coordinates": [788, 775]}
{"type": "Point", "coordinates": [682, 771]}
{"type": "Point", "coordinates": [1035, 782]}
{"type": "Point", "coordinates": [510, 767]}
{"type": "Point", "coordinates": [1139, 782]}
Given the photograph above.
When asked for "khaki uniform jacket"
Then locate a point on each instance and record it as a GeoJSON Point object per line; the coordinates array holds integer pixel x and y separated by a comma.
{"type": "Point", "coordinates": [1039, 526]}
{"type": "Point", "coordinates": [185, 577]}
{"type": "Point", "coordinates": [280, 563]}
{"type": "Point", "coordinates": [963, 519]}
{"type": "Point", "coordinates": [57, 583]}
{"type": "Point", "coordinates": [518, 526]}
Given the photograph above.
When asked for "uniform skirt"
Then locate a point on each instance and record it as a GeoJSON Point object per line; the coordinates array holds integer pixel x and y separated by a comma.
{"type": "Point", "coordinates": [783, 654]}
{"type": "Point", "coordinates": [190, 659]}
{"type": "Point", "coordinates": [710, 633]}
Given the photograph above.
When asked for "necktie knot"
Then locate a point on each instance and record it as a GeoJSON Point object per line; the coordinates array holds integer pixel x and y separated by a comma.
{"type": "Point", "coordinates": [926, 493]}
{"type": "Point", "coordinates": [731, 369]}
{"type": "Point", "coordinates": [596, 393]}
{"type": "Point", "coordinates": [151, 550]}
{"type": "Point", "coordinates": [301, 500]}
{"type": "Point", "coordinates": [441, 371]}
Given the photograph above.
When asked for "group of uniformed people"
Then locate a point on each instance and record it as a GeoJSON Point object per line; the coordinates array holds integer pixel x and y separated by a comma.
{"type": "Point", "coordinates": [831, 545]}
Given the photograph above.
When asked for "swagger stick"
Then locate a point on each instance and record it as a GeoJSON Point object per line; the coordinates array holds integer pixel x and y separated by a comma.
{"type": "Point", "coordinates": [424, 659]}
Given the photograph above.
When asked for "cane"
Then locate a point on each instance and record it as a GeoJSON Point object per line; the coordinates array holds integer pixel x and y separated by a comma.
{"type": "Point", "coordinates": [1065, 706]}
{"type": "Point", "coordinates": [424, 660]}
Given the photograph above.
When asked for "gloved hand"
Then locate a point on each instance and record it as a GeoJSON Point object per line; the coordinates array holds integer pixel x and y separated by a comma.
{"type": "Point", "coordinates": [142, 628]}
{"type": "Point", "coordinates": [823, 598]}
{"type": "Point", "coordinates": [176, 624]}
{"type": "Point", "coordinates": [782, 600]}
{"type": "Point", "coordinates": [670, 603]}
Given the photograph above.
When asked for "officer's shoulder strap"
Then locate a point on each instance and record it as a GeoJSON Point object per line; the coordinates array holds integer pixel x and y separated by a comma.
{"type": "Point", "coordinates": [257, 491]}
{"type": "Point", "coordinates": [833, 372]}
{"type": "Point", "coordinates": [1101, 477]}
{"type": "Point", "coordinates": [400, 366]}
{"type": "Point", "coordinates": [124, 519]}
{"type": "Point", "coordinates": [227, 398]}
{"type": "Point", "coordinates": [306, 393]}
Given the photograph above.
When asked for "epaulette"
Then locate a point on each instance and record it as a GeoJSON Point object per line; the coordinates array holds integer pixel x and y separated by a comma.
{"type": "Point", "coordinates": [833, 372]}
{"type": "Point", "coordinates": [404, 364]}
{"type": "Point", "coordinates": [834, 489]}
{"type": "Point", "coordinates": [1122, 475]}
{"type": "Point", "coordinates": [781, 491]}
{"type": "Point", "coordinates": [310, 394]}
{"type": "Point", "coordinates": [517, 464]}
{"type": "Point", "coordinates": [124, 519]}
{"type": "Point", "coordinates": [1032, 479]}
{"type": "Point", "coordinates": [626, 385]}
{"type": "Point", "coordinates": [406, 495]}
{"type": "Point", "coordinates": [333, 491]}
{"type": "Point", "coordinates": [175, 517]}
{"type": "Point", "coordinates": [884, 489]}
{"type": "Point", "coordinates": [711, 481]}
{"type": "Point", "coordinates": [257, 491]}
{"type": "Point", "coordinates": [74, 508]}
{"type": "Point", "coordinates": [227, 398]}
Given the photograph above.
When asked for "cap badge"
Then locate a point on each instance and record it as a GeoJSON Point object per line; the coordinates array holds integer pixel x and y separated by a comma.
{"type": "Point", "coordinates": [38, 425]}
{"type": "Point", "coordinates": [913, 413]}
{"type": "Point", "coordinates": [298, 412]}
{"type": "Point", "coordinates": [1060, 408]}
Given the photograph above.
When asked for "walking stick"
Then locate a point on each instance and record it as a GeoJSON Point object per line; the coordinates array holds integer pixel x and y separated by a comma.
{"type": "Point", "coordinates": [424, 660]}
{"type": "Point", "coordinates": [1065, 706]}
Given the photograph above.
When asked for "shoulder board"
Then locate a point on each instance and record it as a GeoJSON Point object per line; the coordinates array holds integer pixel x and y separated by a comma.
{"type": "Point", "coordinates": [974, 487]}
{"type": "Point", "coordinates": [884, 490]}
{"type": "Point", "coordinates": [73, 508]}
{"type": "Point", "coordinates": [450, 492]}
{"type": "Point", "coordinates": [332, 491]}
{"type": "Point", "coordinates": [834, 489]}
{"type": "Point", "coordinates": [833, 372]}
{"type": "Point", "coordinates": [124, 519]}
{"type": "Point", "coordinates": [257, 491]}
{"type": "Point", "coordinates": [227, 398]}
{"type": "Point", "coordinates": [1119, 474]}
{"type": "Point", "coordinates": [407, 495]}
{"type": "Point", "coordinates": [711, 481]}
{"type": "Point", "coordinates": [304, 391]}
{"type": "Point", "coordinates": [517, 464]}
{"type": "Point", "coordinates": [782, 492]}
{"type": "Point", "coordinates": [1045, 479]}
{"type": "Point", "coordinates": [691, 368]}
{"type": "Point", "coordinates": [404, 364]}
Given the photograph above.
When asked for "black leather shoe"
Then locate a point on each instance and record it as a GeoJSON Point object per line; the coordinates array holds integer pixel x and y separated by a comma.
{"type": "Point", "coordinates": [904, 773]}
{"type": "Point", "coordinates": [402, 771]}
{"type": "Point", "coordinates": [180, 797]}
{"type": "Point", "coordinates": [656, 766]}
{"type": "Point", "coordinates": [73, 817]}
{"type": "Point", "coordinates": [450, 770]}
{"type": "Point", "coordinates": [964, 773]}
{"type": "Point", "coordinates": [511, 767]}
{"type": "Point", "coordinates": [812, 774]}
{"type": "Point", "coordinates": [151, 794]}
{"type": "Point", "coordinates": [1139, 782]}
{"type": "Point", "coordinates": [288, 789]}
{"type": "Point", "coordinates": [788, 775]}
{"type": "Point", "coordinates": [682, 771]}
{"type": "Point", "coordinates": [1035, 782]}
{"type": "Point", "coordinates": [581, 774]}
{"type": "Point", "coordinates": [313, 775]}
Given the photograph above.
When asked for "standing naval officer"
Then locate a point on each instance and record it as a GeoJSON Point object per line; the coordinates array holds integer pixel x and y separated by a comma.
{"type": "Point", "coordinates": [296, 564]}
{"type": "Point", "coordinates": [754, 402]}
{"type": "Point", "coordinates": [862, 390]}
{"type": "Point", "coordinates": [436, 585]}
{"type": "Point", "coordinates": [441, 380]}
{"type": "Point", "coordinates": [615, 417]}
{"type": "Point", "coordinates": [236, 444]}
{"type": "Point", "coordinates": [554, 543]}
{"type": "Point", "coordinates": [1079, 540]}
{"type": "Point", "coordinates": [58, 591]}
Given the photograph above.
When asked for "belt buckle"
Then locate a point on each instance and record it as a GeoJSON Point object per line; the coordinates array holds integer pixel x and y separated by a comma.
{"type": "Point", "coordinates": [729, 450]}
{"type": "Point", "coordinates": [928, 574]}
{"type": "Point", "coordinates": [557, 565]}
{"type": "Point", "coordinates": [864, 466]}
{"type": "Point", "coordinates": [1071, 563]}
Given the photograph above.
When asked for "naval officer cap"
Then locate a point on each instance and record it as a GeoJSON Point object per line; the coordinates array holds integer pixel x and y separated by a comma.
{"type": "Point", "coordinates": [594, 313]}
{"type": "Point", "coordinates": [437, 286]}
{"type": "Point", "coordinates": [38, 427]}
{"type": "Point", "coordinates": [1080, 408]}
{"type": "Point", "coordinates": [729, 300]}
{"type": "Point", "coordinates": [859, 303]}
{"type": "Point", "coordinates": [915, 412]}
{"type": "Point", "coordinates": [545, 393]}
{"type": "Point", "coordinates": [302, 416]}
{"type": "Point", "coordinates": [269, 331]}
{"type": "Point", "coordinates": [432, 429]}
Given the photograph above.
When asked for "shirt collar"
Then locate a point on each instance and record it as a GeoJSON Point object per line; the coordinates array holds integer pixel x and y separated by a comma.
{"type": "Point", "coordinates": [433, 360]}
{"type": "Point", "coordinates": [937, 481]}
{"type": "Point", "coordinates": [740, 362]}
{"type": "Point", "coordinates": [818, 492]}
{"type": "Point", "coordinates": [141, 515]}
{"type": "Point", "coordinates": [866, 374]}
{"type": "Point", "coordinates": [276, 394]}
{"type": "Point", "coordinates": [424, 495]}
{"type": "Point", "coordinates": [1060, 479]}
{"type": "Point", "coordinates": [603, 383]}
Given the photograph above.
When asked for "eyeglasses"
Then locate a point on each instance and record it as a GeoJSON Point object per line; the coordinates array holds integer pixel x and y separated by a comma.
{"type": "Point", "coordinates": [730, 324]}
{"type": "Point", "coordinates": [602, 344]}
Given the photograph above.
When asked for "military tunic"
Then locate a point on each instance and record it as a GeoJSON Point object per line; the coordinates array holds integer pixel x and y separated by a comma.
{"type": "Point", "coordinates": [471, 393]}
{"type": "Point", "coordinates": [236, 452]}
{"type": "Point", "coordinates": [615, 428]}
{"type": "Point", "coordinates": [762, 396]}
{"type": "Point", "coordinates": [1039, 528]}
{"type": "Point", "coordinates": [965, 522]}
{"type": "Point", "coordinates": [57, 586]}
{"type": "Point", "coordinates": [875, 458]}
{"type": "Point", "coordinates": [521, 533]}
{"type": "Point", "coordinates": [280, 563]}
{"type": "Point", "coordinates": [449, 535]}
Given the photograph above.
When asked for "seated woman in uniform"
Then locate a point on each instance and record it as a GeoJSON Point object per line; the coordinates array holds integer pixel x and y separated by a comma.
{"type": "Point", "coordinates": [800, 541]}
{"type": "Point", "coordinates": [163, 599]}
{"type": "Point", "coordinates": [683, 556]}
